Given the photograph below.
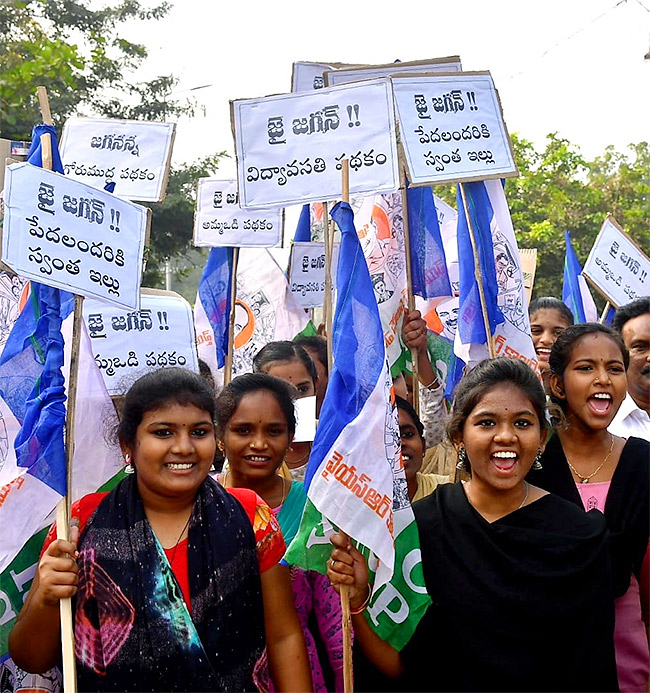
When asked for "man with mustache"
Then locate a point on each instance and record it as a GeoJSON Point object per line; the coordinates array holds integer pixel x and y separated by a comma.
{"type": "Point", "coordinates": [633, 323]}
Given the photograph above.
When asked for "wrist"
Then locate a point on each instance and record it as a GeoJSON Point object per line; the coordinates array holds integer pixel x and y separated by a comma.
{"type": "Point", "coordinates": [361, 607]}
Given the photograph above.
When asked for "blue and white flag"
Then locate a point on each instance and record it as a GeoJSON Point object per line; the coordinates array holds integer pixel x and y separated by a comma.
{"type": "Point", "coordinates": [575, 292]}
{"type": "Point", "coordinates": [428, 263]}
{"type": "Point", "coordinates": [303, 227]}
{"type": "Point", "coordinates": [503, 281]}
{"type": "Point", "coordinates": [355, 475]}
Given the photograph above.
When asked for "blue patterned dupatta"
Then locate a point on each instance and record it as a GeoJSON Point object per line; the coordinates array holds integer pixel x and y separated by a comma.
{"type": "Point", "coordinates": [133, 630]}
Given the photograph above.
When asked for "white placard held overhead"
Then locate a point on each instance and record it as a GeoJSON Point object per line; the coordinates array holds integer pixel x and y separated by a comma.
{"type": "Point", "coordinates": [452, 128]}
{"type": "Point", "coordinates": [220, 221]}
{"type": "Point", "coordinates": [616, 266]}
{"type": "Point", "coordinates": [127, 344]}
{"type": "Point", "coordinates": [347, 75]}
{"type": "Point", "coordinates": [308, 76]}
{"type": "Point", "coordinates": [290, 147]}
{"type": "Point", "coordinates": [66, 234]}
{"type": "Point", "coordinates": [307, 272]}
{"type": "Point", "coordinates": [133, 154]}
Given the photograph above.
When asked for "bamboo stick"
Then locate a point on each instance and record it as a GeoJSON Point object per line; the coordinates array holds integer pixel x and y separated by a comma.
{"type": "Point", "coordinates": [227, 376]}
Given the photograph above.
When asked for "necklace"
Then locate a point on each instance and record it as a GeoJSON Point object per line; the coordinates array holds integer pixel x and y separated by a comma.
{"type": "Point", "coordinates": [282, 479]}
{"type": "Point", "coordinates": [523, 502]}
{"type": "Point", "coordinates": [585, 479]}
{"type": "Point", "coordinates": [178, 541]}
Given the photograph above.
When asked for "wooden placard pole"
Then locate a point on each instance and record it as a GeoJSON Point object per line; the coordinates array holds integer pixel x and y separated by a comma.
{"type": "Point", "coordinates": [63, 508]}
{"type": "Point", "coordinates": [409, 284]}
{"type": "Point", "coordinates": [327, 296]}
{"type": "Point", "coordinates": [479, 274]}
{"type": "Point", "coordinates": [227, 376]}
{"type": "Point", "coordinates": [603, 315]}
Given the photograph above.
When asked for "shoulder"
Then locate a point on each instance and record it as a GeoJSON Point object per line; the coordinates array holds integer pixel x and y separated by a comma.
{"type": "Point", "coordinates": [561, 515]}
{"type": "Point", "coordinates": [81, 511]}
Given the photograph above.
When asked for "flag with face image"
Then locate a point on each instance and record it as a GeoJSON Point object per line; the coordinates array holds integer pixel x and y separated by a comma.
{"type": "Point", "coordinates": [355, 475]}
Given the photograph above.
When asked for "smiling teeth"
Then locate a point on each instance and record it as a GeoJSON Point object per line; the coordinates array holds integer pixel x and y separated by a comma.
{"type": "Point", "coordinates": [602, 395]}
{"type": "Point", "coordinates": [258, 459]}
{"type": "Point", "coordinates": [179, 465]}
{"type": "Point", "coordinates": [505, 455]}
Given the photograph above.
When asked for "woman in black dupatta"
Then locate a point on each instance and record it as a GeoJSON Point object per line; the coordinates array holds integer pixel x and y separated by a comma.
{"type": "Point", "coordinates": [594, 469]}
{"type": "Point", "coordinates": [519, 578]}
{"type": "Point", "coordinates": [176, 581]}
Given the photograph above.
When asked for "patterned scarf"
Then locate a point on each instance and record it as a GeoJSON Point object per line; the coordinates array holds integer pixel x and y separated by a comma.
{"type": "Point", "coordinates": [133, 631]}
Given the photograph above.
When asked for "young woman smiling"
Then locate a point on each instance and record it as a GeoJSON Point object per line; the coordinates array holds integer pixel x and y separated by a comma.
{"type": "Point", "coordinates": [519, 578]}
{"type": "Point", "coordinates": [594, 469]}
{"type": "Point", "coordinates": [549, 317]}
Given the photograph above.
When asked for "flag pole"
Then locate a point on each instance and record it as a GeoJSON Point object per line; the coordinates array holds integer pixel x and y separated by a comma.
{"type": "Point", "coordinates": [409, 284]}
{"type": "Point", "coordinates": [346, 617]}
{"type": "Point", "coordinates": [227, 376]}
{"type": "Point", "coordinates": [327, 297]}
{"type": "Point", "coordinates": [603, 315]}
{"type": "Point", "coordinates": [63, 508]}
{"type": "Point", "coordinates": [479, 274]}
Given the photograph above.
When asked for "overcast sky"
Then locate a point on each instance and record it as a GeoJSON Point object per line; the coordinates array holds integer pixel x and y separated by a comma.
{"type": "Point", "coordinates": [575, 67]}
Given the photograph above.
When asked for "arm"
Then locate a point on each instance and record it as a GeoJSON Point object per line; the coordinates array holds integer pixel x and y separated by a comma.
{"type": "Point", "coordinates": [35, 640]}
{"type": "Point", "coordinates": [285, 645]}
{"type": "Point", "coordinates": [348, 567]}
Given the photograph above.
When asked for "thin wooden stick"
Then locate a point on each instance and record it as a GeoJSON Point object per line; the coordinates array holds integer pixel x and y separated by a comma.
{"type": "Point", "coordinates": [227, 376]}
{"type": "Point", "coordinates": [603, 315]}
{"type": "Point", "coordinates": [63, 508]}
{"type": "Point", "coordinates": [327, 297]}
{"type": "Point", "coordinates": [479, 274]}
{"type": "Point", "coordinates": [409, 286]}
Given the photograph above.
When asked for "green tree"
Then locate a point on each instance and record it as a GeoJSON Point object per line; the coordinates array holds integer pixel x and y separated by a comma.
{"type": "Point", "coordinates": [77, 53]}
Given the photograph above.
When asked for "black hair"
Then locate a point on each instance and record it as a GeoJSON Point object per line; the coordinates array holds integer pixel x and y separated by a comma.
{"type": "Point", "coordinates": [233, 393]}
{"type": "Point", "coordinates": [158, 389]}
{"type": "Point", "coordinates": [563, 347]}
{"type": "Point", "coordinates": [551, 303]}
{"type": "Point", "coordinates": [486, 376]}
{"type": "Point", "coordinates": [317, 344]}
{"type": "Point", "coordinates": [406, 406]}
{"type": "Point", "coordinates": [639, 306]}
{"type": "Point", "coordinates": [283, 351]}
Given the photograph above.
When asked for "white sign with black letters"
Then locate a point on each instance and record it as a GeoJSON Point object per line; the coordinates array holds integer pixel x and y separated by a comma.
{"type": "Point", "coordinates": [127, 344]}
{"type": "Point", "coordinates": [308, 76]}
{"type": "Point", "coordinates": [66, 234]}
{"type": "Point", "coordinates": [133, 154]}
{"type": "Point", "coordinates": [290, 147]}
{"type": "Point", "coordinates": [617, 266]}
{"type": "Point", "coordinates": [307, 272]}
{"type": "Point", "coordinates": [220, 221]}
{"type": "Point", "coordinates": [452, 128]}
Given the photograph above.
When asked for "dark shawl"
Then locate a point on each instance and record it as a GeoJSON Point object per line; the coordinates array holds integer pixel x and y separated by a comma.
{"type": "Point", "coordinates": [133, 631]}
{"type": "Point", "coordinates": [523, 603]}
{"type": "Point", "coordinates": [627, 510]}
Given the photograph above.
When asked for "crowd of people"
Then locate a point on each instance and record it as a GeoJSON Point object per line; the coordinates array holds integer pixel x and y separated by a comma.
{"type": "Point", "coordinates": [531, 498]}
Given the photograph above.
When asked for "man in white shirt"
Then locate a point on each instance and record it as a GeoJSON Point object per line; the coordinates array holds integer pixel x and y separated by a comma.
{"type": "Point", "coordinates": [633, 323]}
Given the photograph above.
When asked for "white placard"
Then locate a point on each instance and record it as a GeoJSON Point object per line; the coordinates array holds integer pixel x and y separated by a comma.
{"type": "Point", "coordinates": [307, 272]}
{"type": "Point", "coordinates": [356, 74]}
{"type": "Point", "coordinates": [290, 147]}
{"type": "Point", "coordinates": [305, 409]}
{"type": "Point", "coordinates": [452, 128]}
{"type": "Point", "coordinates": [616, 266]}
{"type": "Point", "coordinates": [66, 234]}
{"type": "Point", "coordinates": [133, 154]}
{"type": "Point", "coordinates": [308, 76]}
{"type": "Point", "coordinates": [220, 221]}
{"type": "Point", "coordinates": [128, 344]}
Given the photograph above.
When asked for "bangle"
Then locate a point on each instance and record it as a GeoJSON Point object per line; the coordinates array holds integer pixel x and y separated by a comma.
{"type": "Point", "coordinates": [362, 608]}
{"type": "Point", "coordinates": [435, 383]}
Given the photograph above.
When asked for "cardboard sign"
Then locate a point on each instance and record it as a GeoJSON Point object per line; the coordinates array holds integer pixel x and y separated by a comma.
{"type": "Point", "coordinates": [452, 128]}
{"type": "Point", "coordinates": [616, 266]}
{"type": "Point", "coordinates": [528, 258]}
{"type": "Point", "coordinates": [128, 344]}
{"type": "Point", "coordinates": [290, 147]}
{"type": "Point", "coordinates": [133, 154]}
{"type": "Point", "coordinates": [66, 234]}
{"type": "Point", "coordinates": [307, 272]}
{"type": "Point", "coordinates": [356, 74]}
{"type": "Point", "coordinates": [220, 221]}
{"type": "Point", "coordinates": [308, 76]}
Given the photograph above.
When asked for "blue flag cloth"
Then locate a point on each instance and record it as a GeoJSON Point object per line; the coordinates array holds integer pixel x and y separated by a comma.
{"type": "Point", "coordinates": [214, 293]}
{"type": "Point", "coordinates": [303, 228]}
{"type": "Point", "coordinates": [35, 154]}
{"type": "Point", "coordinates": [575, 292]}
{"type": "Point", "coordinates": [428, 263]}
{"type": "Point", "coordinates": [470, 319]}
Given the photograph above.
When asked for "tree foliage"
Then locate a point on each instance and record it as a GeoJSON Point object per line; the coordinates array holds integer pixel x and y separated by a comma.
{"type": "Point", "coordinates": [77, 53]}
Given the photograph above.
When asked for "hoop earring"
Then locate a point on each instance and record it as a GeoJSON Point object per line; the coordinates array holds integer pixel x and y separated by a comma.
{"type": "Point", "coordinates": [462, 458]}
{"type": "Point", "coordinates": [129, 469]}
{"type": "Point", "coordinates": [537, 464]}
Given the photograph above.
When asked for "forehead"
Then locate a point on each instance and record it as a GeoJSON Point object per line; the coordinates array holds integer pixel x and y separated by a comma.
{"type": "Point", "coordinates": [173, 412]}
{"type": "Point", "coordinates": [259, 406]}
{"type": "Point", "coordinates": [596, 346]}
{"type": "Point", "coordinates": [548, 317]}
{"type": "Point", "coordinates": [637, 328]}
{"type": "Point", "coordinates": [294, 370]}
{"type": "Point", "coordinates": [504, 399]}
